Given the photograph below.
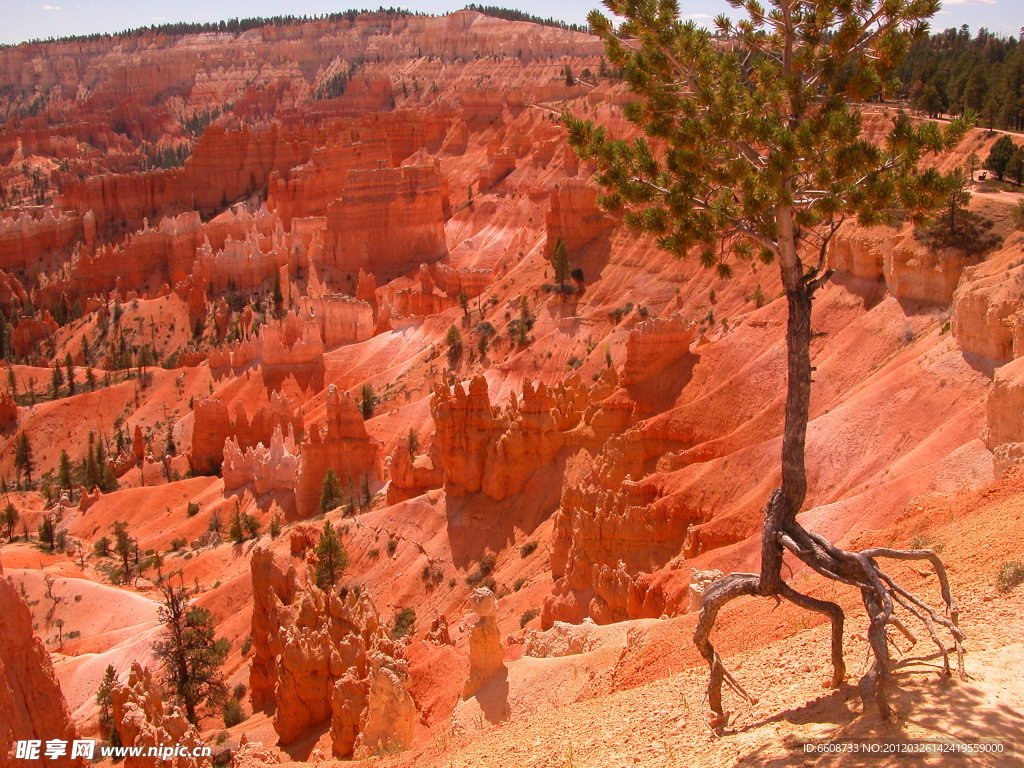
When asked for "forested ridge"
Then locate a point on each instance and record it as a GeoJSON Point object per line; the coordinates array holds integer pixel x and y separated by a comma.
{"type": "Point", "coordinates": [950, 72]}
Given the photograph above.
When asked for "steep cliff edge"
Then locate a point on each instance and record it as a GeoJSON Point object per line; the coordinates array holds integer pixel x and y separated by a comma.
{"type": "Point", "coordinates": [32, 706]}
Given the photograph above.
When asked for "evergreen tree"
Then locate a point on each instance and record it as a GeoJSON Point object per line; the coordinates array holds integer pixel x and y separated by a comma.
{"type": "Point", "coordinates": [124, 546]}
{"type": "Point", "coordinates": [754, 151]}
{"type": "Point", "coordinates": [1015, 168]}
{"type": "Point", "coordinates": [190, 654]}
{"type": "Point", "coordinates": [454, 341]}
{"type": "Point", "coordinates": [560, 263]}
{"type": "Point", "coordinates": [367, 401]}
{"type": "Point", "coordinates": [47, 534]}
{"type": "Point", "coordinates": [332, 559]}
{"type": "Point", "coordinates": [278, 295]}
{"type": "Point", "coordinates": [972, 165]}
{"type": "Point", "coordinates": [237, 530]}
{"type": "Point", "coordinates": [999, 157]}
{"type": "Point", "coordinates": [56, 382]}
{"type": "Point", "coordinates": [64, 470]}
{"type": "Point", "coordinates": [104, 702]}
{"type": "Point", "coordinates": [330, 491]}
{"type": "Point", "coordinates": [10, 519]}
{"type": "Point", "coordinates": [23, 461]}
{"type": "Point", "coordinates": [70, 366]}
{"type": "Point", "coordinates": [959, 199]}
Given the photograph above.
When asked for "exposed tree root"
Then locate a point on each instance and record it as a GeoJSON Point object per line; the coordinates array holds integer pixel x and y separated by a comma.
{"type": "Point", "coordinates": [880, 593]}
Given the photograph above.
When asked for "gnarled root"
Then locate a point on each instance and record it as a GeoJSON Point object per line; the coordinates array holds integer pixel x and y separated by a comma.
{"type": "Point", "coordinates": [880, 593]}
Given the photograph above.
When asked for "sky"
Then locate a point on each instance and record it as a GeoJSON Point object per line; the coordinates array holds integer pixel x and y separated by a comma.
{"type": "Point", "coordinates": [32, 19]}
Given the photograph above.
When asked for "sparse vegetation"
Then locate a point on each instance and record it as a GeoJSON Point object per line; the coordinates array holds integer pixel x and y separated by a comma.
{"type": "Point", "coordinates": [232, 713]}
{"type": "Point", "coordinates": [528, 616]}
{"type": "Point", "coordinates": [405, 622]}
{"type": "Point", "coordinates": [482, 570]}
{"type": "Point", "coordinates": [1010, 575]}
{"type": "Point", "coordinates": [528, 549]}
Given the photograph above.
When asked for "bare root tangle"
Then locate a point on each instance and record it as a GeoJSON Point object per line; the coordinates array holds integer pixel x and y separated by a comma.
{"type": "Point", "coordinates": [879, 591]}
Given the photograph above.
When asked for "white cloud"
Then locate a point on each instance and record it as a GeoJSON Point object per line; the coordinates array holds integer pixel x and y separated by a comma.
{"type": "Point", "coordinates": [51, 7]}
{"type": "Point", "coordinates": [159, 18]}
{"type": "Point", "coordinates": [698, 16]}
{"type": "Point", "coordinates": [969, 2]}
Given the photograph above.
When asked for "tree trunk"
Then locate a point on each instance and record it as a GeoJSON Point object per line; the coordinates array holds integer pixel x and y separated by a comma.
{"type": "Point", "coordinates": [798, 398]}
{"type": "Point", "coordinates": [781, 532]}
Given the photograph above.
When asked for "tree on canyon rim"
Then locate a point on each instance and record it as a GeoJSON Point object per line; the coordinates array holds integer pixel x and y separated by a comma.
{"type": "Point", "coordinates": [753, 151]}
{"type": "Point", "coordinates": [188, 651]}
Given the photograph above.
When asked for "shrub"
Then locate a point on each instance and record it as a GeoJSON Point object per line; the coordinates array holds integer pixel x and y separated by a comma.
{"type": "Point", "coordinates": [519, 584]}
{"type": "Point", "coordinates": [239, 691]}
{"type": "Point", "coordinates": [528, 549]}
{"type": "Point", "coordinates": [528, 616]}
{"type": "Point", "coordinates": [405, 620]}
{"type": "Point", "coordinates": [483, 570]}
{"type": "Point", "coordinates": [392, 547]}
{"type": "Point", "coordinates": [1010, 575]}
{"type": "Point", "coordinates": [233, 713]}
{"type": "Point", "coordinates": [454, 341]}
{"type": "Point", "coordinates": [193, 508]}
{"type": "Point", "coordinates": [177, 545]}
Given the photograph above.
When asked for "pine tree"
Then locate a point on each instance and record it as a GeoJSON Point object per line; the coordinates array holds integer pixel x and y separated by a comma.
{"type": "Point", "coordinates": [64, 471]}
{"type": "Point", "coordinates": [278, 295]}
{"type": "Point", "coordinates": [332, 559]}
{"type": "Point", "coordinates": [959, 199]}
{"type": "Point", "coordinates": [10, 519]}
{"type": "Point", "coordinates": [972, 165]}
{"type": "Point", "coordinates": [190, 654]}
{"type": "Point", "coordinates": [23, 461]}
{"type": "Point", "coordinates": [56, 382]}
{"type": "Point", "coordinates": [756, 152]}
{"type": "Point", "coordinates": [330, 491]}
{"type": "Point", "coordinates": [46, 532]}
{"type": "Point", "coordinates": [236, 530]}
{"type": "Point", "coordinates": [70, 366]}
{"type": "Point", "coordinates": [124, 546]}
{"type": "Point", "coordinates": [104, 702]}
{"type": "Point", "coordinates": [367, 401]}
{"type": "Point", "coordinates": [1015, 168]}
{"type": "Point", "coordinates": [560, 263]}
{"type": "Point", "coordinates": [454, 341]}
{"type": "Point", "coordinates": [1000, 156]}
